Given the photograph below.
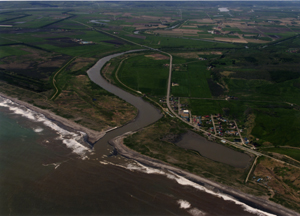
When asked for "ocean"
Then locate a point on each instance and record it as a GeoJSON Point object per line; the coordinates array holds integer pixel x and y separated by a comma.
{"type": "Point", "coordinates": [48, 170]}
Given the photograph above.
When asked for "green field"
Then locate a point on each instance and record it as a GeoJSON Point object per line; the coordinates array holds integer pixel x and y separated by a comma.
{"type": "Point", "coordinates": [275, 122]}
{"type": "Point", "coordinates": [145, 74]}
{"type": "Point", "coordinates": [255, 84]}
{"type": "Point", "coordinates": [293, 153]}
{"type": "Point", "coordinates": [278, 126]}
{"type": "Point", "coordinates": [263, 90]}
{"type": "Point", "coordinates": [192, 81]}
{"type": "Point", "coordinates": [11, 51]}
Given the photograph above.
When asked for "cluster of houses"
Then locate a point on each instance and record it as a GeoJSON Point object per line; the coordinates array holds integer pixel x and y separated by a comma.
{"type": "Point", "coordinates": [213, 124]}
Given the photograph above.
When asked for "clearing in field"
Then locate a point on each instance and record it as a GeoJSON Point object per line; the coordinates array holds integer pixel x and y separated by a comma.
{"type": "Point", "coordinates": [142, 26]}
{"type": "Point", "coordinates": [196, 54]}
{"type": "Point", "coordinates": [232, 40]}
{"type": "Point", "coordinates": [157, 56]}
{"type": "Point", "coordinates": [179, 32]}
{"type": "Point", "coordinates": [202, 20]}
{"type": "Point", "coordinates": [80, 63]}
{"type": "Point", "coordinates": [35, 63]}
{"type": "Point", "coordinates": [280, 179]}
{"type": "Point", "coordinates": [189, 26]}
{"type": "Point", "coordinates": [226, 73]}
{"type": "Point", "coordinates": [256, 41]}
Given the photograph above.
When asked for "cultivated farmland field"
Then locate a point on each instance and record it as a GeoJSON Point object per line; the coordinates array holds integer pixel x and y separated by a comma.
{"type": "Point", "coordinates": [145, 74]}
{"type": "Point", "coordinates": [235, 75]}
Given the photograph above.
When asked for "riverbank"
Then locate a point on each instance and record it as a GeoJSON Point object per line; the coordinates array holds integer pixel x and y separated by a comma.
{"type": "Point", "coordinates": [92, 135]}
{"type": "Point", "coordinates": [146, 116]}
{"type": "Point", "coordinates": [214, 187]}
{"type": "Point", "coordinates": [117, 143]}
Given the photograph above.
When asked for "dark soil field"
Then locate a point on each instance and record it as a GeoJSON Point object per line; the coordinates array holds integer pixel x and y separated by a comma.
{"type": "Point", "coordinates": [243, 64]}
{"type": "Point", "coordinates": [137, 36]}
{"type": "Point", "coordinates": [35, 67]}
{"type": "Point", "coordinates": [115, 42]}
{"type": "Point", "coordinates": [62, 42]}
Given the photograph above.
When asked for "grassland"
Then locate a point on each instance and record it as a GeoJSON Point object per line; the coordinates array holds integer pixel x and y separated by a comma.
{"type": "Point", "coordinates": [80, 100]}
{"type": "Point", "coordinates": [281, 181]}
{"type": "Point", "coordinates": [145, 74]}
{"type": "Point", "coordinates": [11, 51]}
{"type": "Point", "coordinates": [156, 141]}
{"type": "Point", "coordinates": [191, 79]}
{"type": "Point", "coordinates": [252, 56]}
{"type": "Point", "coordinates": [291, 152]}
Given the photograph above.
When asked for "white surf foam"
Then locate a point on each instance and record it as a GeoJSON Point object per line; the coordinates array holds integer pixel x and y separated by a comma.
{"type": "Point", "coordinates": [184, 204]}
{"type": "Point", "coordinates": [38, 129]}
{"type": "Point", "coordinates": [196, 212]}
{"type": "Point", "coordinates": [56, 165]}
{"type": "Point", "coordinates": [183, 181]}
{"type": "Point", "coordinates": [70, 139]}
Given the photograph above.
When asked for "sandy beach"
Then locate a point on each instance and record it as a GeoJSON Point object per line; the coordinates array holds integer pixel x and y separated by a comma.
{"type": "Point", "coordinates": [263, 204]}
{"type": "Point", "coordinates": [117, 143]}
{"type": "Point", "coordinates": [92, 135]}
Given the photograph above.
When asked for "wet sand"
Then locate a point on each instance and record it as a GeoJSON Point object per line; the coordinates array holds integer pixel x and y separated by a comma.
{"type": "Point", "coordinates": [213, 151]}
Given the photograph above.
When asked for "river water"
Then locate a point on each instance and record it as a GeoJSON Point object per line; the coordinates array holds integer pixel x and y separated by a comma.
{"type": "Point", "coordinates": [212, 150]}
{"type": "Point", "coordinates": [46, 170]}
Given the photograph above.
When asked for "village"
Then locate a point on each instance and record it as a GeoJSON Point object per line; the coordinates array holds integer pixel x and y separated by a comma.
{"type": "Point", "coordinates": [213, 124]}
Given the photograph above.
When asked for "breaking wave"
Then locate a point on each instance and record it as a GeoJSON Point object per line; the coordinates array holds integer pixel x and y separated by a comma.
{"type": "Point", "coordinates": [183, 181]}
{"type": "Point", "coordinates": [184, 204]}
{"type": "Point", "coordinates": [196, 212]}
{"type": "Point", "coordinates": [38, 129]}
{"type": "Point", "coordinates": [70, 139]}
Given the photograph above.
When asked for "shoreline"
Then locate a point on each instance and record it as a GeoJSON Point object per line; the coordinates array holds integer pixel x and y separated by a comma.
{"type": "Point", "coordinates": [248, 199]}
{"type": "Point", "coordinates": [92, 135]}
{"type": "Point", "coordinates": [117, 142]}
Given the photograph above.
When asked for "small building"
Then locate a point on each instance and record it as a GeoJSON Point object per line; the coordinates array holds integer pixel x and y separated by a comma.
{"type": "Point", "coordinates": [185, 115]}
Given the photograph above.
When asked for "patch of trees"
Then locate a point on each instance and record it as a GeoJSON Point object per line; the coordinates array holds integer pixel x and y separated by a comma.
{"type": "Point", "coordinates": [215, 89]}
{"type": "Point", "coordinates": [283, 75]}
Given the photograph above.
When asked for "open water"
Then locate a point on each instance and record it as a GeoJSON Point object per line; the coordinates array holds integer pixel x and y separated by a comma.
{"type": "Point", "coordinates": [48, 170]}
{"type": "Point", "coordinates": [41, 174]}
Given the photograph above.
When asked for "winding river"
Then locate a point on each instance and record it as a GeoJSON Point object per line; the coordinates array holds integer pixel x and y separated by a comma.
{"type": "Point", "coordinates": [147, 113]}
{"type": "Point", "coordinates": [40, 176]}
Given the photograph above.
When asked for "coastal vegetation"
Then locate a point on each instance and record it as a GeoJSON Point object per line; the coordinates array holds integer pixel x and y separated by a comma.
{"type": "Point", "coordinates": [241, 64]}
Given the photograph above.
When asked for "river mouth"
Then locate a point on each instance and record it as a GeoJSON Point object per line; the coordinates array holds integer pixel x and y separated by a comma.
{"type": "Point", "coordinates": [148, 114]}
{"type": "Point", "coordinates": [212, 150]}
